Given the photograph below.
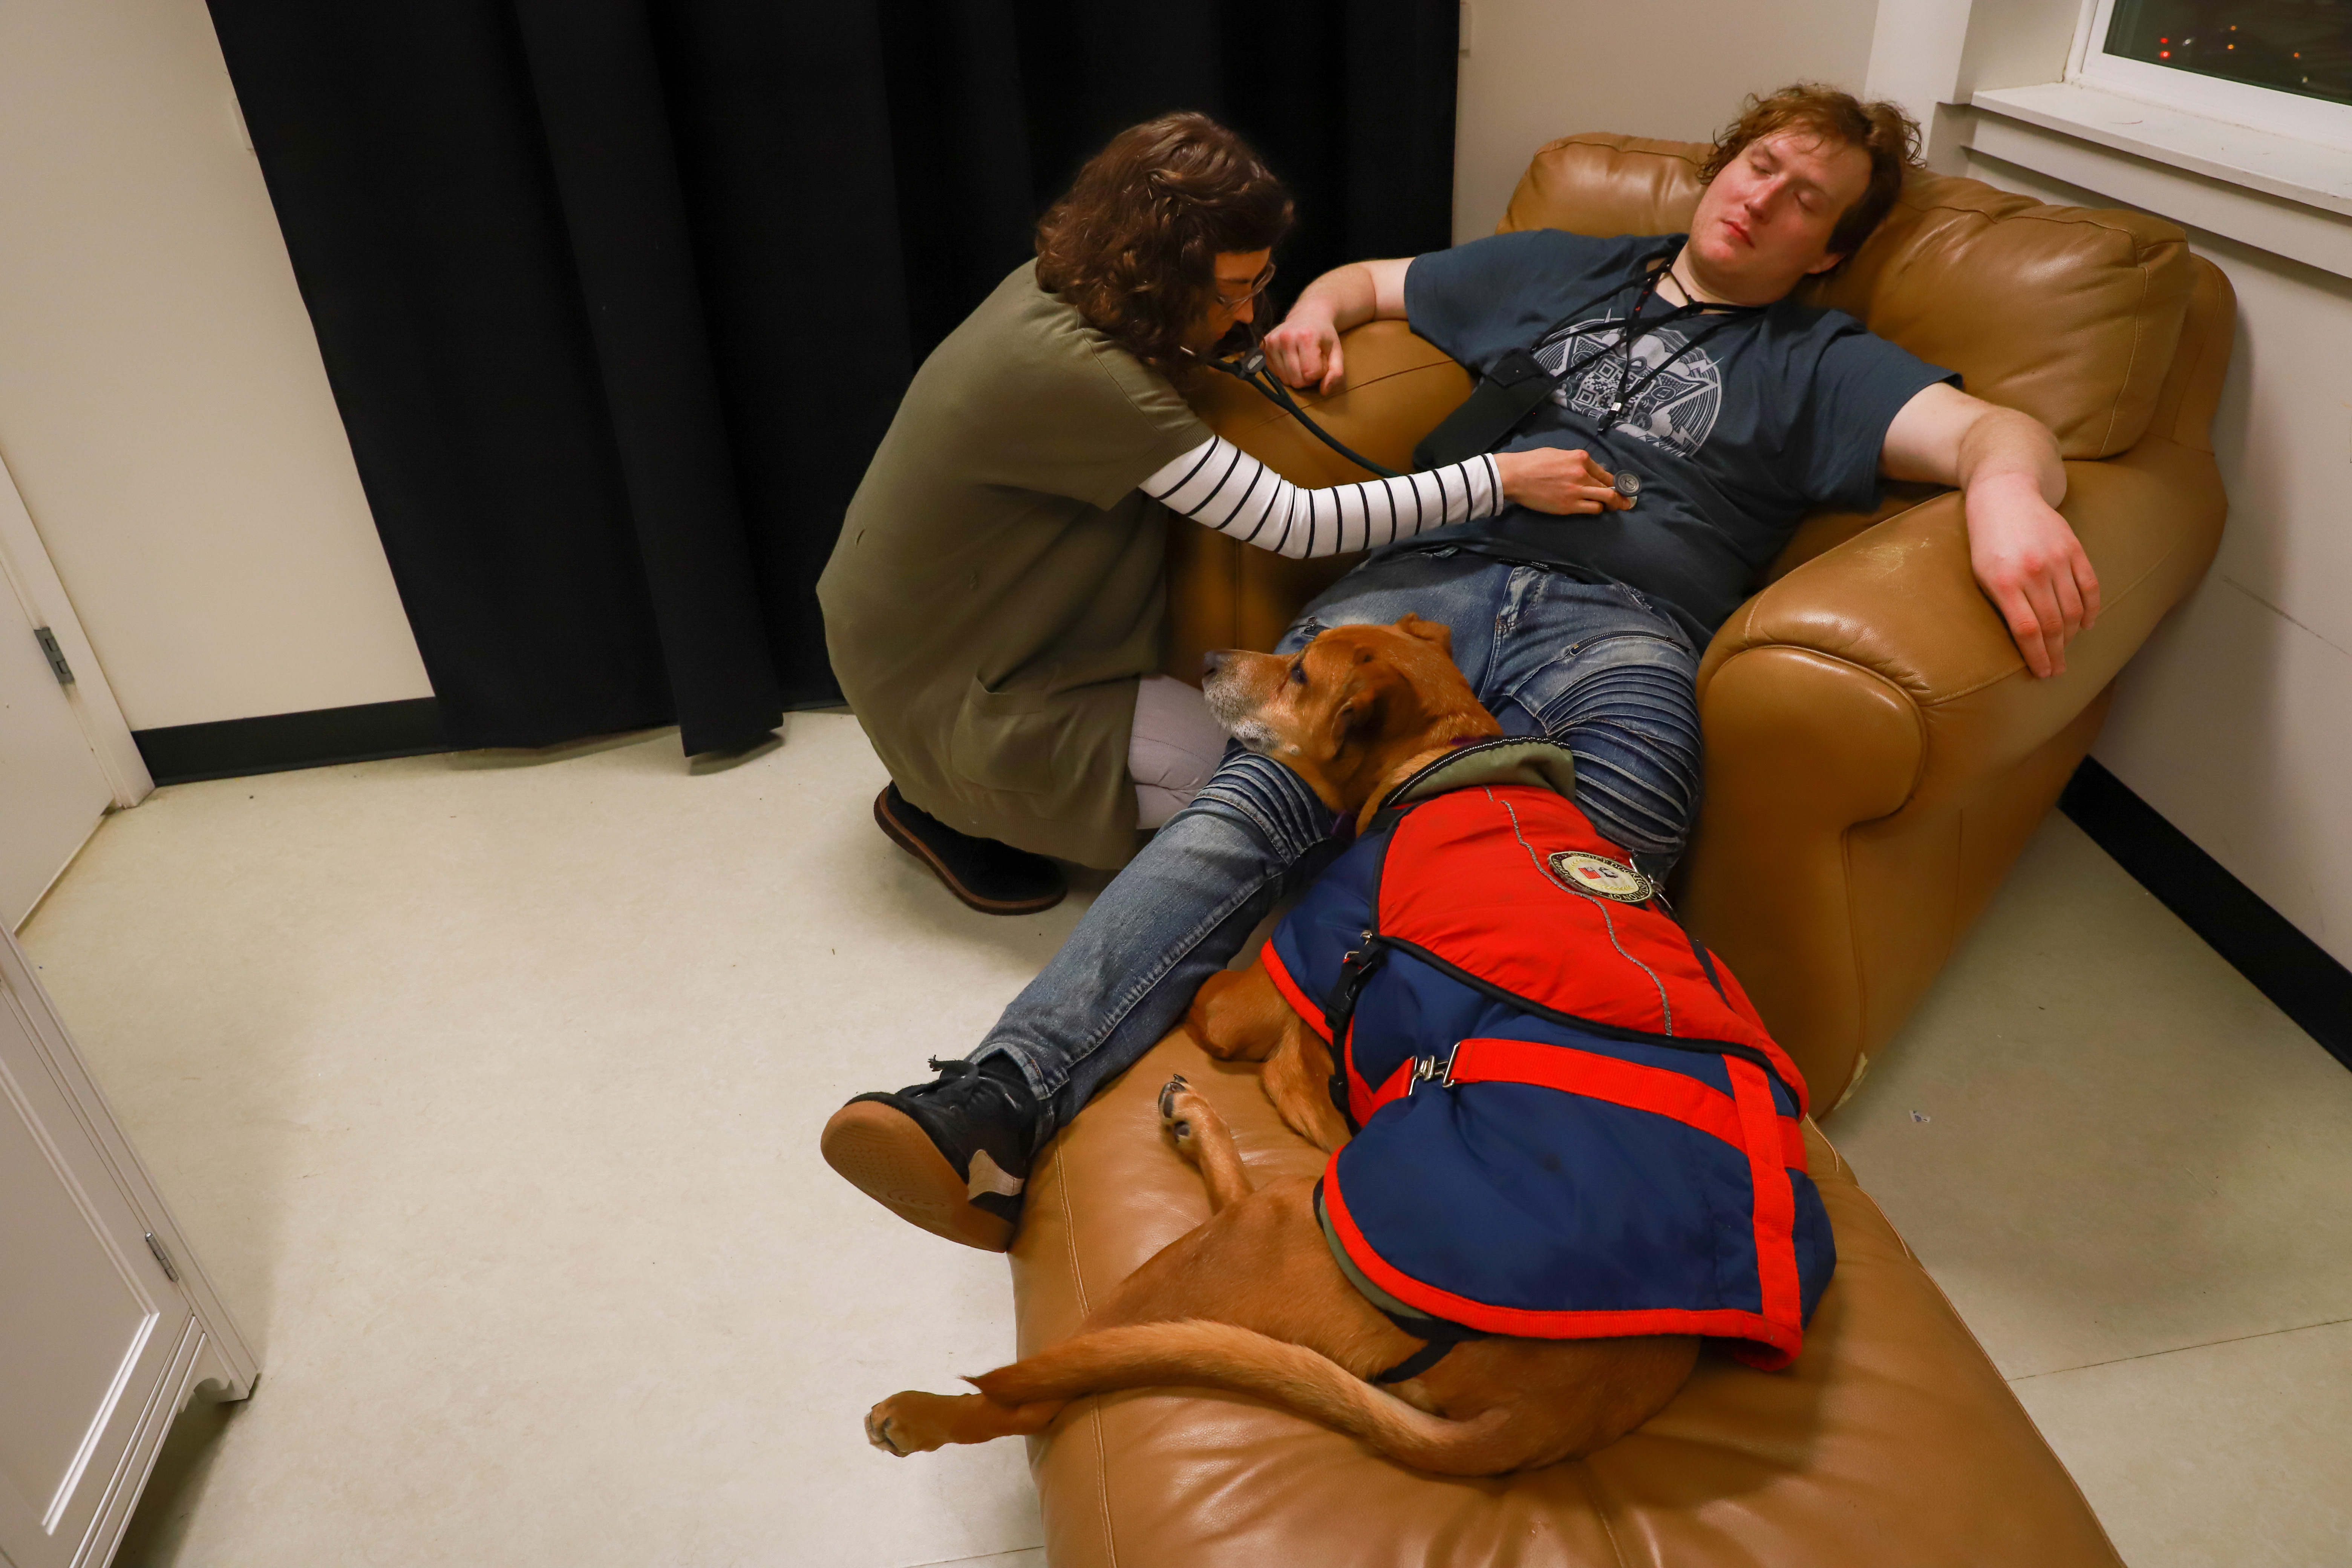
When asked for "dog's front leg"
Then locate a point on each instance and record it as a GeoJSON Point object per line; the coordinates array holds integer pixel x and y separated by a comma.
{"type": "Point", "coordinates": [1298, 1080]}
{"type": "Point", "coordinates": [1238, 1017]}
{"type": "Point", "coordinates": [1205, 1142]}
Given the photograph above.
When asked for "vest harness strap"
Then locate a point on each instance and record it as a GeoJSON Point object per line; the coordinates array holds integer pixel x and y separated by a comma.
{"type": "Point", "coordinates": [1595, 1077]}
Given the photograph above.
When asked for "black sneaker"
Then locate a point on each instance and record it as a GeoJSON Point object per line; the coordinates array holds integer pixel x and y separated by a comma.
{"type": "Point", "coordinates": [994, 878]}
{"type": "Point", "coordinates": [951, 1155]}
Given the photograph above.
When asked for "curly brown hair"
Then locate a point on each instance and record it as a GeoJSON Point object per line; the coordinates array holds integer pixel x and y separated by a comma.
{"type": "Point", "coordinates": [1882, 130]}
{"type": "Point", "coordinates": [1134, 245]}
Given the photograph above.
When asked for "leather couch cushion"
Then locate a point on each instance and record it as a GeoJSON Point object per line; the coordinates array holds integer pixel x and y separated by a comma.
{"type": "Point", "coordinates": [2069, 314]}
{"type": "Point", "coordinates": [1891, 1439]}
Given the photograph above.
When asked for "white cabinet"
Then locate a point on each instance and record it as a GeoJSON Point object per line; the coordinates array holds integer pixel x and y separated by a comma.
{"type": "Point", "coordinates": [107, 1323]}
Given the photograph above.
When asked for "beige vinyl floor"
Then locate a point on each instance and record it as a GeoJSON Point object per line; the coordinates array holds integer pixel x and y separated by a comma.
{"type": "Point", "coordinates": [488, 1088]}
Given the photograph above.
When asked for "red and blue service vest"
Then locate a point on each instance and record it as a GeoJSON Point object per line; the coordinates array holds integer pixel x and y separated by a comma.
{"type": "Point", "coordinates": [1571, 1122]}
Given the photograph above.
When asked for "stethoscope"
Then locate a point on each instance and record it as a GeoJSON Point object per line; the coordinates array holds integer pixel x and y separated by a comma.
{"type": "Point", "coordinates": [1250, 369]}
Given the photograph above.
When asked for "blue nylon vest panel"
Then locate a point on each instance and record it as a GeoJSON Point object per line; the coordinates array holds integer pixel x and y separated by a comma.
{"type": "Point", "coordinates": [1524, 1197]}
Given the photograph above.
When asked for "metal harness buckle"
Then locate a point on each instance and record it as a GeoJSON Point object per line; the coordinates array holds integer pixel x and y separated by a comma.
{"type": "Point", "coordinates": [1426, 1069]}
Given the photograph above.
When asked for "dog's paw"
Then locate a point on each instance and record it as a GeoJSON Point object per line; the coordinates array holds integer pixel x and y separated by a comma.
{"type": "Point", "coordinates": [1168, 1093]}
{"type": "Point", "coordinates": [895, 1426]}
{"type": "Point", "coordinates": [878, 1431]}
{"type": "Point", "coordinates": [1186, 1116]}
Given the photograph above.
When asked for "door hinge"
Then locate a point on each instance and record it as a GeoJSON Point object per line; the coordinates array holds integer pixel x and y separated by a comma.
{"type": "Point", "coordinates": [56, 655]}
{"type": "Point", "coordinates": [163, 1257]}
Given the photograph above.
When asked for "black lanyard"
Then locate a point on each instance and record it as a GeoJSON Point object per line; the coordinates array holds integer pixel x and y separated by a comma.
{"type": "Point", "coordinates": [1636, 328]}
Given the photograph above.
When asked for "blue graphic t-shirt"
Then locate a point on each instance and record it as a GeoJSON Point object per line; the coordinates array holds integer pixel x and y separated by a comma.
{"type": "Point", "coordinates": [1770, 416]}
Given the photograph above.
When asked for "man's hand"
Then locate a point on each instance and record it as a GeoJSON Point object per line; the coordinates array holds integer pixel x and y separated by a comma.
{"type": "Point", "coordinates": [1305, 350]}
{"type": "Point", "coordinates": [1550, 479]}
{"type": "Point", "coordinates": [2031, 567]}
{"type": "Point", "coordinates": [2025, 558]}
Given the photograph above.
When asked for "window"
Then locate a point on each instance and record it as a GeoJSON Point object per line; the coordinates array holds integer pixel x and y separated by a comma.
{"type": "Point", "coordinates": [2283, 66]}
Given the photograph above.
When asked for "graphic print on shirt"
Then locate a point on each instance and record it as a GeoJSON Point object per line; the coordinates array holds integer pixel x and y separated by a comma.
{"type": "Point", "coordinates": [1677, 409]}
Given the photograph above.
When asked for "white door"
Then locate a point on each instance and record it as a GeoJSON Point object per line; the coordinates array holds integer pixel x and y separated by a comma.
{"type": "Point", "coordinates": [66, 755]}
{"type": "Point", "coordinates": [100, 1340]}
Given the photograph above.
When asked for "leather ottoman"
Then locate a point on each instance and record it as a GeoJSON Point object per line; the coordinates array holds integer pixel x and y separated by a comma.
{"type": "Point", "coordinates": [1892, 1441]}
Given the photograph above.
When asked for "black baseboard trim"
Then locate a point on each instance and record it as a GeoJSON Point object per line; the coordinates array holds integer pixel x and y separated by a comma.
{"type": "Point", "coordinates": [279, 742]}
{"type": "Point", "coordinates": [276, 742]}
{"type": "Point", "coordinates": [2301, 977]}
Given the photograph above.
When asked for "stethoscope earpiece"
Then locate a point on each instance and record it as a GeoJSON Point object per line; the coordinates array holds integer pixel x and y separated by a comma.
{"type": "Point", "coordinates": [1250, 369]}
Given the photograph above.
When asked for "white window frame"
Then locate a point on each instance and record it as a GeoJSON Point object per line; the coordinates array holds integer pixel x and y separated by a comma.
{"type": "Point", "coordinates": [2239, 104]}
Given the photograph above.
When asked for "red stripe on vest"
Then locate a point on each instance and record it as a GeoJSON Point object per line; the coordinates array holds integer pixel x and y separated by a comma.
{"type": "Point", "coordinates": [1775, 1211]}
{"type": "Point", "coordinates": [1306, 1006]}
{"type": "Point", "coordinates": [1775, 1344]}
{"type": "Point", "coordinates": [1363, 1101]}
{"type": "Point", "coordinates": [1634, 1084]}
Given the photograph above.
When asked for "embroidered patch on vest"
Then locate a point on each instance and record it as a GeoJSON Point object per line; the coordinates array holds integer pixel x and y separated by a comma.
{"type": "Point", "coordinates": [1589, 873]}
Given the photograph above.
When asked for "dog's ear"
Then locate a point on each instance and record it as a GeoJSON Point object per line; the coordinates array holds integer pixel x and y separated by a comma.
{"type": "Point", "coordinates": [1357, 713]}
{"type": "Point", "coordinates": [1434, 632]}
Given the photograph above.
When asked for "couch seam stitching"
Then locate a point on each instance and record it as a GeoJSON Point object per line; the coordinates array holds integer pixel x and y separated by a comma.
{"type": "Point", "coordinates": [1584, 1483]}
{"type": "Point", "coordinates": [2088, 218]}
{"type": "Point", "coordinates": [1094, 1400]}
{"type": "Point", "coordinates": [1077, 1273]}
{"type": "Point", "coordinates": [2138, 340]}
{"type": "Point", "coordinates": [1102, 1470]}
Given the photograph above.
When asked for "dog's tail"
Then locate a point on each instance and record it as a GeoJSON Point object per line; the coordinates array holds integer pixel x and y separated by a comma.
{"type": "Point", "coordinates": [1203, 1354]}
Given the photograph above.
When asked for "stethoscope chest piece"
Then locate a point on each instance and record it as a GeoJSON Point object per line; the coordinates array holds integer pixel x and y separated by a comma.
{"type": "Point", "coordinates": [1628, 485]}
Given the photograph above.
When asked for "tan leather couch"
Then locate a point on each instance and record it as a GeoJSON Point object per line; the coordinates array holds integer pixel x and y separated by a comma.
{"type": "Point", "coordinates": [1876, 756]}
{"type": "Point", "coordinates": [1876, 752]}
{"type": "Point", "coordinates": [1891, 1442]}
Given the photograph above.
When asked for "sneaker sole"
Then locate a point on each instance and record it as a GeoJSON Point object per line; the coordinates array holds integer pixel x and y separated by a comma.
{"type": "Point", "coordinates": [884, 1154]}
{"type": "Point", "coordinates": [914, 845]}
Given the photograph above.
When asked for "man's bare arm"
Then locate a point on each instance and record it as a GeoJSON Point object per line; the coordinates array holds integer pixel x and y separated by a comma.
{"type": "Point", "coordinates": [1305, 350]}
{"type": "Point", "coordinates": [2007, 467]}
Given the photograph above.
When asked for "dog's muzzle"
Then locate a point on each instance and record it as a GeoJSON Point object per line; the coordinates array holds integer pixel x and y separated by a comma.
{"type": "Point", "coordinates": [1222, 687]}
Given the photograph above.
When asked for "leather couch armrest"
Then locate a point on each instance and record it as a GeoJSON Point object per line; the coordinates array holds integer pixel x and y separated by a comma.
{"type": "Point", "coordinates": [1397, 388]}
{"type": "Point", "coordinates": [1858, 709]}
{"type": "Point", "coordinates": [1899, 607]}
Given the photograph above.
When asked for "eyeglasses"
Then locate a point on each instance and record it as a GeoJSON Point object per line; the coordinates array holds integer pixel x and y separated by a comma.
{"type": "Point", "coordinates": [1258, 285]}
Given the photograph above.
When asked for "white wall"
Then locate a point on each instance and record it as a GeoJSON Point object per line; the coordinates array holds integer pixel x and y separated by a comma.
{"type": "Point", "coordinates": [1539, 70]}
{"type": "Point", "coordinates": [2235, 721]}
{"type": "Point", "coordinates": [163, 405]}
{"type": "Point", "coordinates": [1928, 54]}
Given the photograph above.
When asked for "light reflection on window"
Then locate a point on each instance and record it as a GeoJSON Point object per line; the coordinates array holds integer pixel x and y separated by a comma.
{"type": "Point", "coordinates": [2301, 46]}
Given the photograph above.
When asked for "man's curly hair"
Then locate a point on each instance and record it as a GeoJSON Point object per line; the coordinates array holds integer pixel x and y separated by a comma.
{"type": "Point", "coordinates": [1134, 245]}
{"type": "Point", "coordinates": [1882, 130]}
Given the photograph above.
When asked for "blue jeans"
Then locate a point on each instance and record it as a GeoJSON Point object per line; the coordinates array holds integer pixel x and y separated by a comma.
{"type": "Point", "coordinates": [1592, 666]}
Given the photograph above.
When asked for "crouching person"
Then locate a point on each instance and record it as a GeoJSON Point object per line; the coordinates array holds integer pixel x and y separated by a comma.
{"type": "Point", "coordinates": [993, 607]}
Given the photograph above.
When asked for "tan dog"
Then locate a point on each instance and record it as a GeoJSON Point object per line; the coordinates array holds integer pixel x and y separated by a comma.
{"type": "Point", "coordinates": [1252, 1301]}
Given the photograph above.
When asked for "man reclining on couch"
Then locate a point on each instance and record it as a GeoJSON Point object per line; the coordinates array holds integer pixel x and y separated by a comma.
{"type": "Point", "coordinates": [1737, 411]}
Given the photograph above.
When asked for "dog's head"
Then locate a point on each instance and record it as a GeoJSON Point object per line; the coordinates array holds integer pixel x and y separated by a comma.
{"type": "Point", "coordinates": [1352, 707]}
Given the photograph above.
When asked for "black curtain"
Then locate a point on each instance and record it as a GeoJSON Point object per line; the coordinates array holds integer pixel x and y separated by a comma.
{"type": "Point", "coordinates": [616, 298]}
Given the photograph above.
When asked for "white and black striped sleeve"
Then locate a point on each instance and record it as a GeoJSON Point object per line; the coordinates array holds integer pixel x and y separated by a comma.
{"type": "Point", "coordinates": [1218, 484]}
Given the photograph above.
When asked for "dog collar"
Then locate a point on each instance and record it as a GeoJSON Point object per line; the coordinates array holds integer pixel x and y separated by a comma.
{"type": "Point", "coordinates": [1500, 759]}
